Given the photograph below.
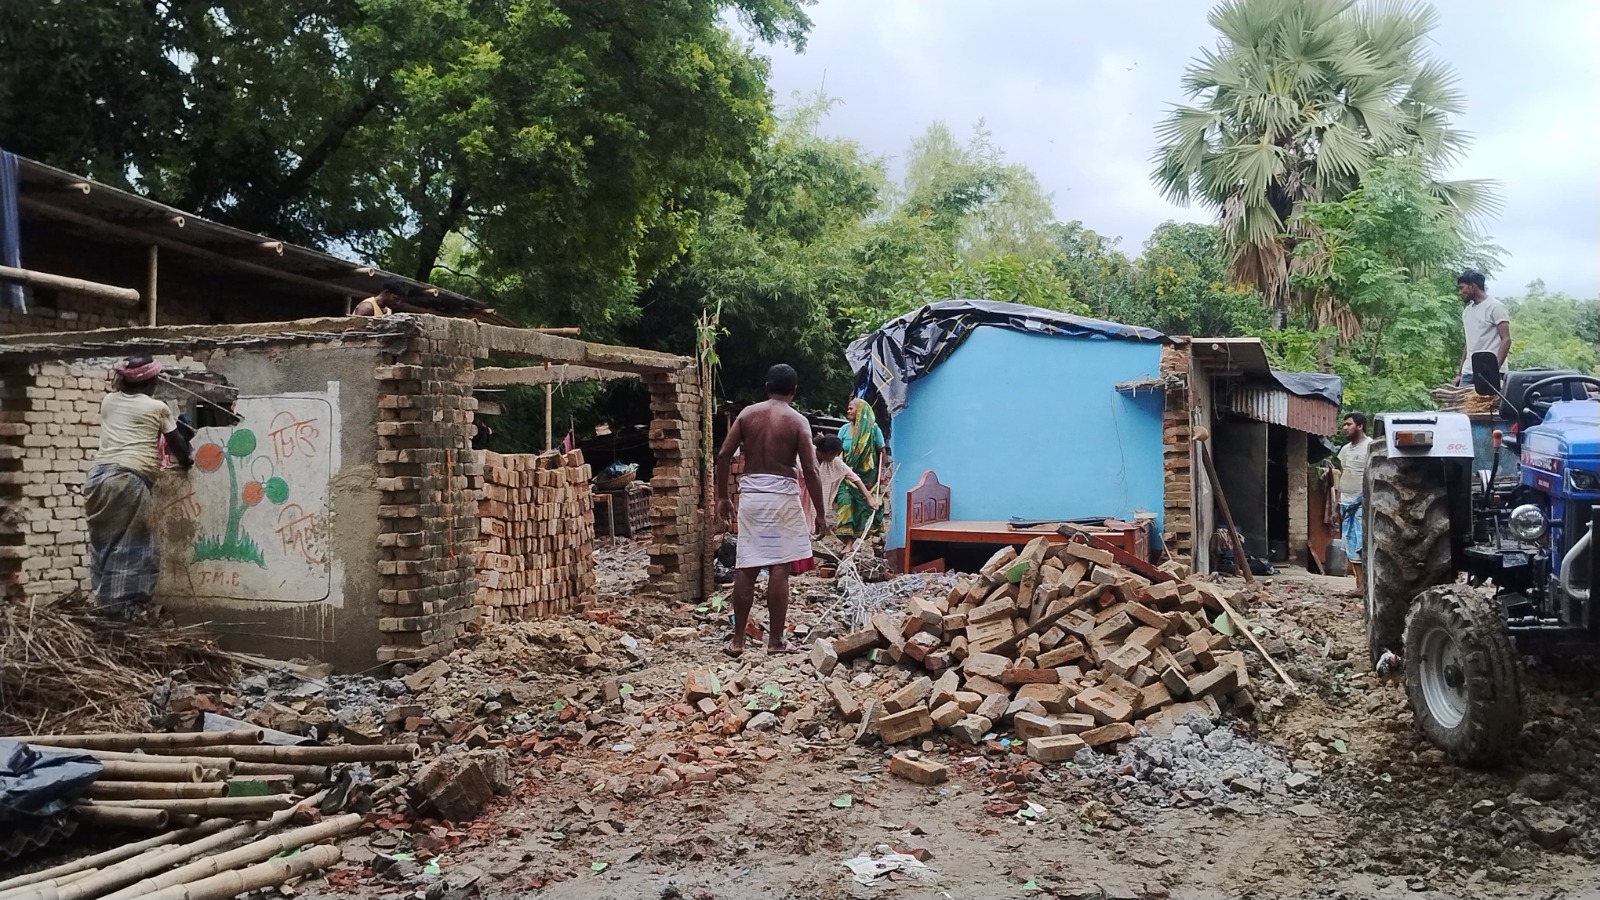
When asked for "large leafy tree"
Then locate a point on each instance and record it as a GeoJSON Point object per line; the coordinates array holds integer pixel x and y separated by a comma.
{"type": "Point", "coordinates": [776, 264]}
{"type": "Point", "coordinates": [1296, 102]}
{"type": "Point", "coordinates": [1552, 330]}
{"type": "Point", "coordinates": [1382, 261]}
{"type": "Point", "coordinates": [576, 145]}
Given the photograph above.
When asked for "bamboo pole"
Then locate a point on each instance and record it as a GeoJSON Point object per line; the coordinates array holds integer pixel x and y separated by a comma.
{"type": "Point", "coordinates": [157, 740]}
{"type": "Point", "coordinates": [150, 790]}
{"type": "Point", "coordinates": [312, 755]}
{"type": "Point", "coordinates": [549, 439]}
{"type": "Point", "coordinates": [312, 774]}
{"type": "Point", "coordinates": [225, 766]}
{"type": "Point", "coordinates": [150, 286]}
{"type": "Point", "coordinates": [124, 296]}
{"type": "Point", "coordinates": [267, 874]}
{"type": "Point", "coordinates": [1244, 626]}
{"type": "Point", "coordinates": [121, 816]}
{"type": "Point", "coordinates": [266, 848]}
{"type": "Point", "coordinates": [117, 770]}
{"type": "Point", "coordinates": [1240, 563]}
{"type": "Point", "coordinates": [235, 807]}
{"type": "Point", "coordinates": [110, 857]}
{"type": "Point", "coordinates": [115, 876]}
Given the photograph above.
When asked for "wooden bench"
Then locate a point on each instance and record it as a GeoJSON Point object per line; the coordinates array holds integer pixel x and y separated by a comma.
{"type": "Point", "coordinates": [928, 521]}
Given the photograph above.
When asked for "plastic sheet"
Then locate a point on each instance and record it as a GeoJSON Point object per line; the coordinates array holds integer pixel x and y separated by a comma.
{"type": "Point", "coordinates": [1311, 384]}
{"type": "Point", "coordinates": [35, 784]}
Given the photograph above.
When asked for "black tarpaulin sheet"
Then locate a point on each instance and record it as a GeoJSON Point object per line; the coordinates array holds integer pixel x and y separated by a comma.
{"type": "Point", "coordinates": [904, 350]}
{"type": "Point", "coordinates": [35, 784]}
{"type": "Point", "coordinates": [1311, 384]}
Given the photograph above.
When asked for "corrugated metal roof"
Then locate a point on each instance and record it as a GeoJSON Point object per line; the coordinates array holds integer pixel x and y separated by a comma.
{"type": "Point", "coordinates": [1276, 406]}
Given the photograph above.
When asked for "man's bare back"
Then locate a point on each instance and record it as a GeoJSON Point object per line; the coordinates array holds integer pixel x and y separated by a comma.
{"type": "Point", "coordinates": [772, 436]}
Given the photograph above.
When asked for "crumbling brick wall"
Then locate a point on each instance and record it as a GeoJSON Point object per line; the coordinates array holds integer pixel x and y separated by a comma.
{"type": "Point", "coordinates": [536, 519]}
{"type": "Point", "coordinates": [677, 522]}
{"type": "Point", "coordinates": [1177, 456]}
{"type": "Point", "coordinates": [49, 429]}
{"type": "Point", "coordinates": [429, 484]}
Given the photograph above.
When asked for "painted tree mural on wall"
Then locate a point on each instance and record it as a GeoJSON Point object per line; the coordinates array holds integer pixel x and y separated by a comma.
{"type": "Point", "coordinates": [234, 544]}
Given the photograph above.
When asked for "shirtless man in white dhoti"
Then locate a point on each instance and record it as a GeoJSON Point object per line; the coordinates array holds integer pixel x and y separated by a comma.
{"type": "Point", "coordinates": [772, 525]}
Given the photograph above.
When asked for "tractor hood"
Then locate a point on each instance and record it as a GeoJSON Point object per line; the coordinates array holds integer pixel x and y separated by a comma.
{"type": "Point", "coordinates": [1570, 433]}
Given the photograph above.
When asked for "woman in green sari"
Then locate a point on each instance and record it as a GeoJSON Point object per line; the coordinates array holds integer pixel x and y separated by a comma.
{"type": "Point", "coordinates": [863, 452]}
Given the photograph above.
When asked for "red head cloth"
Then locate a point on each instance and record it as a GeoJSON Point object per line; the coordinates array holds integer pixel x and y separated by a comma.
{"type": "Point", "coordinates": [137, 374]}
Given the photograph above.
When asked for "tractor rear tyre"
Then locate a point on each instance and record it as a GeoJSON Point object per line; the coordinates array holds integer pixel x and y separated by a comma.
{"type": "Point", "coordinates": [1461, 675]}
{"type": "Point", "coordinates": [1407, 540]}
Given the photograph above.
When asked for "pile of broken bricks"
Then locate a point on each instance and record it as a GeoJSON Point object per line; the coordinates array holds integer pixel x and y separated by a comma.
{"type": "Point", "coordinates": [1058, 643]}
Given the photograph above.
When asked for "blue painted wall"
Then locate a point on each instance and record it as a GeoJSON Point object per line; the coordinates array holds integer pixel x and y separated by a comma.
{"type": "Point", "coordinates": [1029, 425]}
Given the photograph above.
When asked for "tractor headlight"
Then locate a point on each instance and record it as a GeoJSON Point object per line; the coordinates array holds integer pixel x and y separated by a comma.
{"type": "Point", "coordinates": [1528, 522]}
{"type": "Point", "coordinates": [1583, 482]}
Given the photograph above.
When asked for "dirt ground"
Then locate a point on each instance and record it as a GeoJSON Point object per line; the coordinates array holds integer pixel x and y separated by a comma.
{"type": "Point", "coordinates": [638, 799]}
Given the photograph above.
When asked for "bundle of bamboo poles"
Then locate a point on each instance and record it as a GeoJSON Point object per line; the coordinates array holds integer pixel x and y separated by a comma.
{"type": "Point", "coordinates": [220, 798]}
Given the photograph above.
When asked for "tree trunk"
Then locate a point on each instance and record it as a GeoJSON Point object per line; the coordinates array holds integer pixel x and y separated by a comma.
{"type": "Point", "coordinates": [431, 238]}
{"type": "Point", "coordinates": [264, 207]}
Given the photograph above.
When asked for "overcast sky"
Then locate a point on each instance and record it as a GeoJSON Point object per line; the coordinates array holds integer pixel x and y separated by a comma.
{"type": "Point", "coordinates": [1074, 89]}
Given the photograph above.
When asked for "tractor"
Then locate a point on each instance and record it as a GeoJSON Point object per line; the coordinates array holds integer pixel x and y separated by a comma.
{"type": "Point", "coordinates": [1526, 529]}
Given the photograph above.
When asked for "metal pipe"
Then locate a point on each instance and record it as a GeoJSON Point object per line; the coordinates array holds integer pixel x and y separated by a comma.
{"type": "Point", "coordinates": [1579, 548]}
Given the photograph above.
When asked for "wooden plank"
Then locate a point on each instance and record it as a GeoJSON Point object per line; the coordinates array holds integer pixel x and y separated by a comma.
{"type": "Point", "coordinates": [1122, 557]}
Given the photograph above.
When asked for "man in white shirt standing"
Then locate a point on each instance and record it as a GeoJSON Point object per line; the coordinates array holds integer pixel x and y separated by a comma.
{"type": "Point", "coordinates": [124, 562]}
{"type": "Point", "coordinates": [1352, 463]}
{"type": "Point", "coordinates": [1486, 322]}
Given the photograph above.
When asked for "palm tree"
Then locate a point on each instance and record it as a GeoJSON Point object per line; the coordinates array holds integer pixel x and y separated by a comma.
{"type": "Point", "coordinates": [1294, 104]}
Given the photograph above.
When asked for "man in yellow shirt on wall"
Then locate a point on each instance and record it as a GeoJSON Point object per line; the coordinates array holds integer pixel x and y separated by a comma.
{"type": "Point", "coordinates": [124, 558]}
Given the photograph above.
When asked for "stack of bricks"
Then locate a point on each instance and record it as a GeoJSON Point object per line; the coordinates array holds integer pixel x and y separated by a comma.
{"type": "Point", "coordinates": [536, 519]}
{"type": "Point", "coordinates": [49, 432]}
{"type": "Point", "coordinates": [1177, 456]}
{"type": "Point", "coordinates": [677, 522]}
{"type": "Point", "coordinates": [428, 482]}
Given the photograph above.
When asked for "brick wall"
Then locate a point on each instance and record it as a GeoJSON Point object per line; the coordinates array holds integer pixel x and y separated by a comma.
{"type": "Point", "coordinates": [49, 312]}
{"type": "Point", "coordinates": [677, 522]}
{"type": "Point", "coordinates": [536, 521]}
{"type": "Point", "coordinates": [429, 484]}
{"type": "Point", "coordinates": [1298, 485]}
{"type": "Point", "coordinates": [49, 429]}
{"type": "Point", "coordinates": [1177, 457]}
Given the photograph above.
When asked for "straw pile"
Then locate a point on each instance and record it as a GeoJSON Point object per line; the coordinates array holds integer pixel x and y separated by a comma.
{"type": "Point", "coordinates": [65, 668]}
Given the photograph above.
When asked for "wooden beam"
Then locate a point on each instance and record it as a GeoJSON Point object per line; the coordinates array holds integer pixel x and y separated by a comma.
{"type": "Point", "coordinates": [490, 376]}
{"type": "Point", "coordinates": [125, 296]}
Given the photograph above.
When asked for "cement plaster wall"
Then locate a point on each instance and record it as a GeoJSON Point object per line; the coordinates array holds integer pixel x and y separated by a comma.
{"type": "Point", "coordinates": [318, 596]}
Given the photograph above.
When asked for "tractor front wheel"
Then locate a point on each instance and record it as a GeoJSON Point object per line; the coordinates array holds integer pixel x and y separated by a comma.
{"type": "Point", "coordinates": [1407, 525]}
{"type": "Point", "coordinates": [1461, 675]}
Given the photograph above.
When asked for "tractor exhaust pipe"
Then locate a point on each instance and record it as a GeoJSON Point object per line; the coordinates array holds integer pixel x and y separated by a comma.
{"type": "Point", "coordinates": [1569, 562]}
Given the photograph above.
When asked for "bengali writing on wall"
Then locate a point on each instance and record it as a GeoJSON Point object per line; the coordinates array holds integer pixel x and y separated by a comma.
{"type": "Point", "coordinates": [251, 520]}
